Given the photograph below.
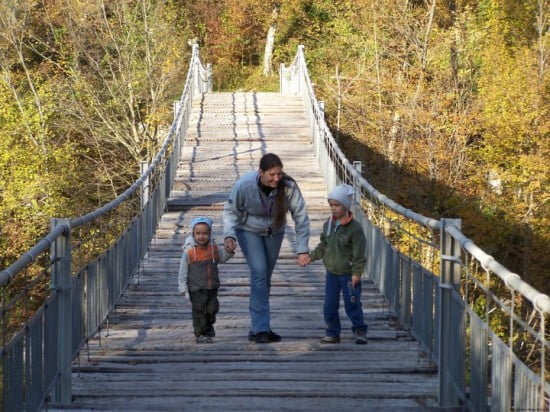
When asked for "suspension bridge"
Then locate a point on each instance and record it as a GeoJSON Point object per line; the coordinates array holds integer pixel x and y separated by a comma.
{"type": "Point", "coordinates": [114, 334]}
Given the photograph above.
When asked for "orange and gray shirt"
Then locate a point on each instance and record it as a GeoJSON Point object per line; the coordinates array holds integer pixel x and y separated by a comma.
{"type": "Point", "coordinates": [199, 266]}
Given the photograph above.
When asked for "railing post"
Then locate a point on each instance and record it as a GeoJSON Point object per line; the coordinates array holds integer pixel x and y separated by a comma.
{"type": "Point", "coordinates": [357, 165]}
{"type": "Point", "coordinates": [197, 82]}
{"type": "Point", "coordinates": [316, 131]}
{"type": "Point", "coordinates": [60, 254]}
{"type": "Point", "coordinates": [322, 107]}
{"type": "Point", "coordinates": [300, 71]}
{"type": "Point", "coordinates": [177, 140]}
{"type": "Point", "coordinates": [449, 329]}
{"type": "Point", "coordinates": [543, 349]}
{"type": "Point", "coordinates": [196, 70]}
{"type": "Point", "coordinates": [209, 85]}
{"type": "Point", "coordinates": [177, 106]}
{"type": "Point", "coordinates": [405, 271]}
{"type": "Point", "coordinates": [168, 177]}
{"type": "Point", "coordinates": [281, 74]}
{"type": "Point", "coordinates": [144, 195]}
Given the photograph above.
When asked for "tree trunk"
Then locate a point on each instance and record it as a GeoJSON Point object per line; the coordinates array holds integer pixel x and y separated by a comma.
{"type": "Point", "coordinates": [378, 78]}
{"type": "Point", "coordinates": [541, 27]}
{"type": "Point", "coordinates": [338, 101]}
{"type": "Point", "coordinates": [269, 42]}
{"type": "Point", "coordinates": [420, 82]}
{"type": "Point", "coordinates": [394, 132]}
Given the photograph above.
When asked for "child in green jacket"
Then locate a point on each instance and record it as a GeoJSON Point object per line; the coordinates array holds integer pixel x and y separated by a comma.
{"type": "Point", "coordinates": [342, 249]}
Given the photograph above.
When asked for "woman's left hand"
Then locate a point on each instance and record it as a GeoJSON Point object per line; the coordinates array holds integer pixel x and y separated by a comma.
{"type": "Point", "coordinates": [230, 244]}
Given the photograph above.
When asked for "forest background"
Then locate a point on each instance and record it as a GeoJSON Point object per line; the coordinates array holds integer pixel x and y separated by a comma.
{"type": "Point", "coordinates": [445, 102]}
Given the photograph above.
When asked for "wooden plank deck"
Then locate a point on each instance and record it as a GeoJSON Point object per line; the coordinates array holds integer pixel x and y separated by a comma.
{"type": "Point", "coordinates": [148, 360]}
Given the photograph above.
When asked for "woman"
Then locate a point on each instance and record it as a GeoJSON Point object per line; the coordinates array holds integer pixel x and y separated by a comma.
{"type": "Point", "coordinates": [255, 216]}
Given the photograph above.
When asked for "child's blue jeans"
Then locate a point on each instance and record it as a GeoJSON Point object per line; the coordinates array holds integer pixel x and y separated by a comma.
{"type": "Point", "coordinates": [352, 303]}
{"type": "Point", "coordinates": [261, 253]}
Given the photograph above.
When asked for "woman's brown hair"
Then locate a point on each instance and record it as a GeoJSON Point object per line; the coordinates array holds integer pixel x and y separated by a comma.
{"type": "Point", "coordinates": [269, 161]}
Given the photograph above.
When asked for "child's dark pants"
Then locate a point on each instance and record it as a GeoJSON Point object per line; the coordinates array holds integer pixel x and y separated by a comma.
{"type": "Point", "coordinates": [205, 307]}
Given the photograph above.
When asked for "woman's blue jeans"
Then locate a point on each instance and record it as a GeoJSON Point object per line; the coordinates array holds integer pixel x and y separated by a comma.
{"type": "Point", "coordinates": [352, 303]}
{"type": "Point", "coordinates": [261, 253]}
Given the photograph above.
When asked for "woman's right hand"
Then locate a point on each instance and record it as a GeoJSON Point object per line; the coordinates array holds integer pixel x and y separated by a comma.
{"type": "Point", "coordinates": [230, 244]}
{"type": "Point", "coordinates": [304, 259]}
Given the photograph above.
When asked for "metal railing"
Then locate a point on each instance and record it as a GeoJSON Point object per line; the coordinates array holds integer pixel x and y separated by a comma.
{"type": "Point", "coordinates": [36, 360]}
{"type": "Point", "coordinates": [442, 287]}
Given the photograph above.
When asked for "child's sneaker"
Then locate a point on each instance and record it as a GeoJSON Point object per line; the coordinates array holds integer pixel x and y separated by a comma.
{"type": "Point", "coordinates": [330, 339]}
{"type": "Point", "coordinates": [360, 337]}
{"type": "Point", "coordinates": [203, 339]}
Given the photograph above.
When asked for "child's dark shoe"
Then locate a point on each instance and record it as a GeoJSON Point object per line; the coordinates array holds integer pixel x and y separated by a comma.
{"type": "Point", "coordinates": [360, 337]}
{"type": "Point", "coordinates": [203, 339]}
{"type": "Point", "coordinates": [330, 339]}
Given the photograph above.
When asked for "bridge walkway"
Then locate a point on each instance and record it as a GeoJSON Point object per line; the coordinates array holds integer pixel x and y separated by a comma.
{"type": "Point", "coordinates": [147, 358]}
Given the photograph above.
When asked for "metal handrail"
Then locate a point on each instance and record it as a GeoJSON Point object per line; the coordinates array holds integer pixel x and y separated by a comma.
{"type": "Point", "coordinates": [538, 299]}
{"type": "Point", "coordinates": [79, 303]}
{"type": "Point", "coordinates": [436, 307]}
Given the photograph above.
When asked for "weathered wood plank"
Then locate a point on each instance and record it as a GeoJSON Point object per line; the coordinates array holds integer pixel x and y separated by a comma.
{"type": "Point", "coordinates": [210, 401]}
{"type": "Point", "coordinates": [187, 385]}
{"type": "Point", "coordinates": [146, 357]}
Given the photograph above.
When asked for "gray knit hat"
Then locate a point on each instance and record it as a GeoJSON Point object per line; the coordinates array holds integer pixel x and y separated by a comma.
{"type": "Point", "coordinates": [344, 194]}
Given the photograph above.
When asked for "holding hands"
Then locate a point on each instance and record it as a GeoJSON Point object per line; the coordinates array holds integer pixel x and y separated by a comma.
{"type": "Point", "coordinates": [303, 259]}
{"type": "Point", "coordinates": [230, 244]}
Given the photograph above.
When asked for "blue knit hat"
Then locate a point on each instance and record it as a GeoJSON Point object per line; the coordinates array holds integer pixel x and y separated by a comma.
{"type": "Point", "coordinates": [201, 219]}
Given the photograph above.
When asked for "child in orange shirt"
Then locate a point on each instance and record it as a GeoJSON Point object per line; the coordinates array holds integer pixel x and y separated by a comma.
{"type": "Point", "coordinates": [198, 275]}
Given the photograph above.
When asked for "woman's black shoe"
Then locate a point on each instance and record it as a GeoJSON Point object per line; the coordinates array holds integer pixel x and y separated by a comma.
{"type": "Point", "coordinates": [273, 337]}
{"type": "Point", "coordinates": [261, 337]}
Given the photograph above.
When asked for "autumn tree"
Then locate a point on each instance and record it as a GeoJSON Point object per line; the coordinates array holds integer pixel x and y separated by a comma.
{"type": "Point", "coordinates": [514, 144]}
{"type": "Point", "coordinates": [86, 94]}
{"type": "Point", "coordinates": [38, 169]}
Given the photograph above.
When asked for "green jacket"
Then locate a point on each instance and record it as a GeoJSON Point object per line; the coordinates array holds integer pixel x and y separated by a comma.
{"type": "Point", "coordinates": [342, 247]}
